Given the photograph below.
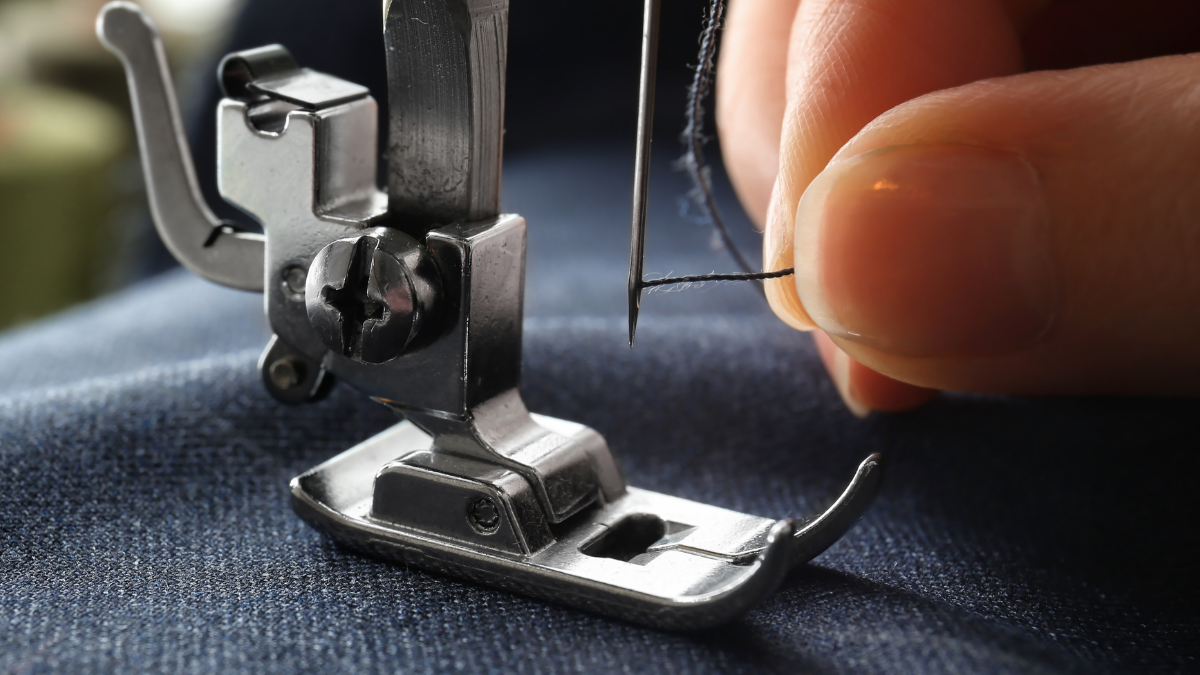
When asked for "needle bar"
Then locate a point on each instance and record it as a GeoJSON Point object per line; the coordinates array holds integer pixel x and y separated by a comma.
{"type": "Point", "coordinates": [641, 171]}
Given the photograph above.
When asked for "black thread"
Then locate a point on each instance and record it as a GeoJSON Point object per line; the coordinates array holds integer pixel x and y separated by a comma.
{"type": "Point", "coordinates": [748, 276]}
{"type": "Point", "coordinates": [694, 163]}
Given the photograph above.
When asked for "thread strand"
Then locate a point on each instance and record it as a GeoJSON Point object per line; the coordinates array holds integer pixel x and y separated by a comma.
{"type": "Point", "coordinates": [748, 276]}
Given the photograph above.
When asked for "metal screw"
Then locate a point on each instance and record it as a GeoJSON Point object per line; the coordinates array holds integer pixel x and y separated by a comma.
{"type": "Point", "coordinates": [294, 280]}
{"type": "Point", "coordinates": [483, 515]}
{"type": "Point", "coordinates": [361, 298]}
{"type": "Point", "coordinates": [286, 373]}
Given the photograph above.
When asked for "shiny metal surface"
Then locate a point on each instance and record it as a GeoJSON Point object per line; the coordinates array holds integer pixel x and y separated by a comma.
{"type": "Point", "coordinates": [568, 466]}
{"type": "Point", "coordinates": [290, 377]}
{"type": "Point", "coordinates": [310, 89]}
{"type": "Point", "coordinates": [417, 301]}
{"type": "Point", "coordinates": [310, 183]}
{"type": "Point", "coordinates": [466, 500]}
{"type": "Point", "coordinates": [641, 169]}
{"type": "Point", "coordinates": [200, 241]}
{"type": "Point", "coordinates": [368, 296]}
{"type": "Point", "coordinates": [644, 557]}
{"type": "Point", "coordinates": [445, 62]}
{"type": "Point", "coordinates": [474, 353]}
{"type": "Point", "coordinates": [240, 71]}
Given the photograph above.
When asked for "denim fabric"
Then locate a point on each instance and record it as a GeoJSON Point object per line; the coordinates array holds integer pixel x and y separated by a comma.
{"type": "Point", "coordinates": [145, 525]}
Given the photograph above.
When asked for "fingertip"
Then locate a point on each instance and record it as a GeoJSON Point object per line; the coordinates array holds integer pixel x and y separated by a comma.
{"type": "Point", "coordinates": [839, 365]}
{"type": "Point", "coordinates": [864, 390]}
{"type": "Point", "coordinates": [782, 297]}
{"type": "Point", "coordinates": [778, 254]}
{"type": "Point", "coordinates": [880, 393]}
{"type": "Point", "coordinates": [928, 250]}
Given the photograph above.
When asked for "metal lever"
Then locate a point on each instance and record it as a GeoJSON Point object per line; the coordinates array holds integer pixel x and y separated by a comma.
{"type": "Point", "coordinates": [204, 244]}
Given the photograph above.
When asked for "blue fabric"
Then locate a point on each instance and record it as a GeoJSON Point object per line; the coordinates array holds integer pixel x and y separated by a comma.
{"type": "Point", "coordinates": [144, 519]}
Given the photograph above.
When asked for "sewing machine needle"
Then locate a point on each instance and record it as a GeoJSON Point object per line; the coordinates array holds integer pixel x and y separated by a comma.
{"type": "Point", "coordinates": [641, 171]}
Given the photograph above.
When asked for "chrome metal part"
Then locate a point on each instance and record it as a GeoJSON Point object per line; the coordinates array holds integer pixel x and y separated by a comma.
{"type": "Point", "coordinates": [291, 377]}
{"type": "Point", "coordinates": [645, 557]}
{"type": "Point", "coordinates": [417, 300]}
{"type": "Point", "coordinates": [368, 296]}
{"type": "Point", "coordinates": [641, 169]}
{"type": "Point", "coordinates": [446, 62]}
{"type": "Point", "coordinates": [204, 244]}
{"type": "Point", "coordinates": [568, 466]}
{"type": "Point", "coordinates": [308, 176]}
{"type": "Point", "coordinates": [475, 350]}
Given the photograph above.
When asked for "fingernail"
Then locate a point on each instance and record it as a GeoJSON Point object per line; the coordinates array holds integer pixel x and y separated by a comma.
{"type": "Point", "coordinates": [928, 251]}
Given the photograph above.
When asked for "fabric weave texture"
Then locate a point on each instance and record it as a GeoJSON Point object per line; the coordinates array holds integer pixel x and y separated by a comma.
{"type": "Point", "coordinates": [144, 518]}
{"type": "Point", "coordinates": [145, 525]}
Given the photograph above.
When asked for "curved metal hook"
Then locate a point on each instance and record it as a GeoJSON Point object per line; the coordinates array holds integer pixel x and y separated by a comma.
{"type": "Point", "coordinates": [211, 248]}
{"type": "Point", "coordinates": [812, 539]}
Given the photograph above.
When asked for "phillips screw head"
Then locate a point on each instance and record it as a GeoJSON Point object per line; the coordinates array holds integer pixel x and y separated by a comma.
{"type": "Point", "coordinates": [368, 297]}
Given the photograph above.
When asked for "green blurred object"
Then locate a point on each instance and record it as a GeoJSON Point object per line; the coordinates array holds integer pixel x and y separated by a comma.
{"type": "Point", "coordinates": [58, 151]}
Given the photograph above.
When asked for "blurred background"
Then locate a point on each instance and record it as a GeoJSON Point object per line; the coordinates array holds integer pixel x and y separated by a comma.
{"type": "Point", "coordinates": [72, 213]}
{"type": "Point", "coordinates": [73, 219]}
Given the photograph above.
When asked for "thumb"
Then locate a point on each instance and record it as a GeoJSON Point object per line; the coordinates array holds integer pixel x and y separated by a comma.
{"type": "Point", "coordinates": [1032, 234]}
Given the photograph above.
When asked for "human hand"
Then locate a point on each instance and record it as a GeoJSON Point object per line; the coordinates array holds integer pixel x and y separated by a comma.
{"type": "Point", "coordinates": [1031, 233]}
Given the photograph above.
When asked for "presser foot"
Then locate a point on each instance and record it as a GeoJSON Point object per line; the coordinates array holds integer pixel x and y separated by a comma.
{"type": "Point", "coordinates": [644, 557]}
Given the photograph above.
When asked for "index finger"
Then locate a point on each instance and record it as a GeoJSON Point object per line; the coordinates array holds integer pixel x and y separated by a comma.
{"type": "Point", "coordinates": [847, 62]}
